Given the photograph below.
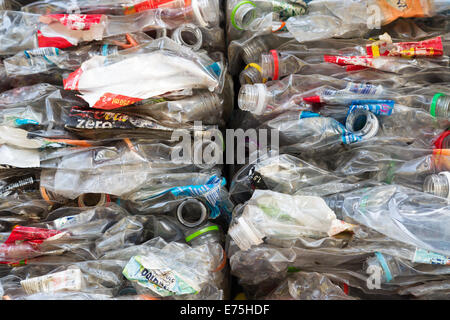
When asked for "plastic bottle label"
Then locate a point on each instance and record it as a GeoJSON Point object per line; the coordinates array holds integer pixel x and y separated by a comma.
{"type": "Point", "coordinates": [151, 4]}
{"type": "Point", "coordinates": [394, 9]}
{"type": "Point", "coordinates": [27, 183]}
{"type": "Point", "coordinates": [378, 107]}
{"type": "Point", "coordinates": [364, 88]}
{"type": "Point", "coordinates": [427, 48]}
{"type": "Point", "coordinates": [68, 280]}
{"type": "Point", "coordinates": [151, 273]}
{"type": "Point", "coordinates": [429, 257]}
{"type": "Point", "coordinates": [41, 52]}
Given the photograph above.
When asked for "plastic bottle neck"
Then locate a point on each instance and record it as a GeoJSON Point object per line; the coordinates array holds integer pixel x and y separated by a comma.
{"type": "Point", "coordinates": [206, 12]}
{"type": "Point", "coordinates": [254, 98]}
{"type": "Point", "coordinates": [363, 123]}
{"type": "Point", "coordinates": [210, 101]}
{"type": "Point", "coordinates": [243, 15]}
{"type": "Point", "coordinates": [267, 66]}
{"type": "Point", "coordinates": [188, 35]}
{"type": "Point", "coordinates": [244, 233]}
{"type": "Point", "coordinates": [250, 75]}
{"type": "Point", "coordinates": [252, 50]}
{"type": "Point", "coordinates": [440, 106]}
{"type": "Point", "coordinates": [438, 184]}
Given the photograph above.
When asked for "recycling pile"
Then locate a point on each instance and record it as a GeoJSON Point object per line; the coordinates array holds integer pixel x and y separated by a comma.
{"type": "Point", "coordinates": [353, 203]}
{"type": "Point", "coordinates": [95, 99]}
{"type": "Point", "coordinates": [112, 149]}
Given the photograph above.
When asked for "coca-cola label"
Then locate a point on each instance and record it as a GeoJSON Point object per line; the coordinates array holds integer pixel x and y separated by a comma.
{"type": "Point", "coordinates": [97, 119]}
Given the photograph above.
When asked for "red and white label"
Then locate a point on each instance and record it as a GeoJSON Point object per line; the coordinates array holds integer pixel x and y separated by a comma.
{"type": "Point", "coordinates": [71, 83]}
{"type": "Point", "coordinates": [427, 48]}
{"type": "Point", "coordinates": [154, 4]}
{"type": "Point", "coordinates": [73, 21]}
{"type": "Point", "coordinates": [22, 242]}
{"type": "Point", "coordinates": [350, 60]}
{"type": "Point", "coordinates": [55, 42]}
{"type": "Point", "coordinates": [111, 101]}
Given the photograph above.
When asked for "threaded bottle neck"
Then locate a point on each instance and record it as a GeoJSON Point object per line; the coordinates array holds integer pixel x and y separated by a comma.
{"type": "Point", "coordinates": [252, 50]}
{"type": "Point", "coordinates": [250, 75]}
{"type": "Point", "coordinates": [440, 106]}
{"type": "Point", "coordinates": [210, 101]}
{"type": "Point", "coordinates": [363, 123]}
{"type": "Point", "coordinates": [188, 35]}
{"type": "Point", "coordinates": [206, 12]}
{"type": "Point", "coordinates": [437, 184]}
{"type": "Point", "coordinates": [267, 66]}
{"type": "Point", "coordinates": [253, 98]}
{"type": "Point", "coordinates": [244, 15]}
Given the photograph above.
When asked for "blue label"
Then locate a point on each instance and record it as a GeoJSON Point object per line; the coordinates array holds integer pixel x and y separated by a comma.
{"type": "Point", "coordinates": [215, 68]}
{"type": "Point", "coordinates": [21, 122]}
{"type": "Point", "coordinates": [378, 107]}
{"type": "Point", "coordinates": [308, 114]}
{"type": "Point", "coordinates": [347, 136]}
{"type": "Point", "coordinates": [105, 50]}
{"type": "Point", "coordinates": [210, 191]}
{"type": "Point", "coordinates": [384, 265]}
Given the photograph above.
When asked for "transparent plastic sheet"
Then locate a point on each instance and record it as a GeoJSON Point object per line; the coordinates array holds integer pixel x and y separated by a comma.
{"type": "Point", "coordinates": [363, 165]}
{"type": "Point", "coordinates": [344, 259]}
{"type": "Point", "coordinates": [290, 175]}
{"type": "Point", "coordinates": [30, 130]}
{"type": "Point", "coordinates": [10, 5]}
{"type": "Point", "coordinates": [8, 83]}
{"type": "Point", "coordinates": [325, 93]}
{"type": "Point", "coordinates": [76, 241]}
{"type": "Point", "coordinates": [293, 57]}
{"type": "Point", "coordinates": [113, 7]}
{"type": "Point", "coordinates": [425, 229]}
{"type": "Point", "coordinates": [311, 135]}
{"type": "Point", "coordinates": [103, 278]}
{"type": "Point", "coordinates": [332, 18]}
{"type": "Point", "coordinates": [308, 286]}
{"type": "Point", "coordinates": [194, 71]}
{"type": "Point", "coordinates": [115, 180]}
{"type": "Point", "coordinates": [249, 47]}
{"type": "Point", "coordinates": [55, 60]}
{"type": "Point", "coordinates": [31, 31]}
{"type": "Point", "coordinates": [260, 16]}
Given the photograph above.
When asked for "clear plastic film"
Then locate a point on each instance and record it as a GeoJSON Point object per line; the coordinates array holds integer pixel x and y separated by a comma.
{"type": "Point", "coordinates": [33, 31]}
{"type": "Point", "coordinates": [336, 19]}
{"type": "Point", "coordinates": [193, 70]}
